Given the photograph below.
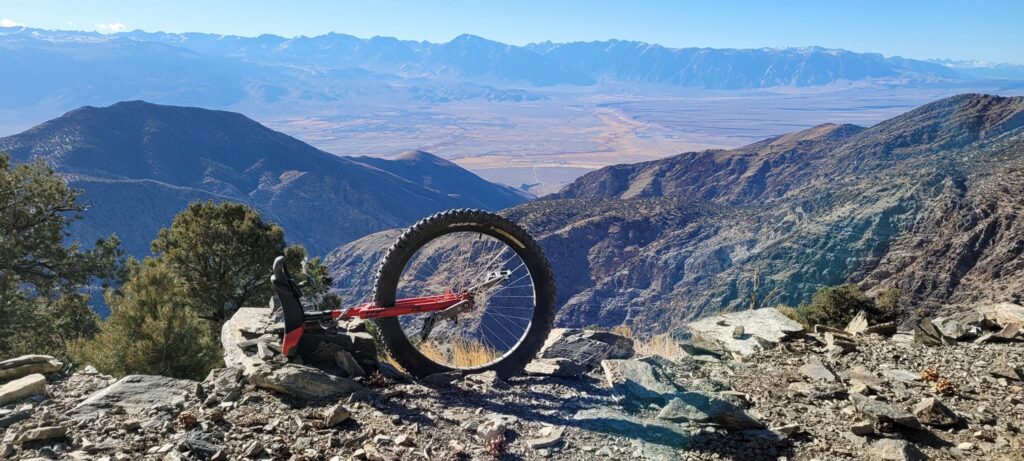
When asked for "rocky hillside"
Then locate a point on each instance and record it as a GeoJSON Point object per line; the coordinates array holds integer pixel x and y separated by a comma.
{"type": "Point", "coordinates": [927, 202]}
{"type": "Point", "coordinates": [951, 389]}
{"type": "Point", "coordinates": [140, 163]}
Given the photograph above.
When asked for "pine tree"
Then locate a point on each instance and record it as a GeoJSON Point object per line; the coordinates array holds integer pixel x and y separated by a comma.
{"type": "Point", "coordinates": [152, 329]}
{"type": "Point", "coordinates": [44, 281]}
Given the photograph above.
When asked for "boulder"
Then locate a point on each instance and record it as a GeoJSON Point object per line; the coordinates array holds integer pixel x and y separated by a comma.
{"type": "Point", "coordinates": [951, 328]}
{"type": "Point", "coordinates": [20, 388]}
{"type": "Point", "coordinates": [586, 347]}
{"type": "Point", "coordinates": [28, 365]}
{"type": "Point", "coordinates": [763, 329]}
{"type": "Point", "coordinates": [814, 370]}
{"type": "Point", "coordinates": [926, 333]}
{"type": "Point", "coordinates": [883, 414]}
{"type": "Point", "coordinates": [1003, 313]}
{"type": "Point", "coordinates": [637, 380]}
{"type": "Point", "coordinates": [934, 413]}
{"type": "Point", "coordinates": [564, 368]}
{"type": "Point", "coordinates": [135, 395]}
{"type": "Point", "coordinates": [336, 415]}
{"type": "Point", "coordinates": [302, 381]}
{"type": "Point", "coordinates": [41, 433]}
{"type": "Point", "coordinates": [894, 450]}
{"type": "Point", "coordinates": [699, 407]}
{"type": "Point", "coordinates": [235, 337]}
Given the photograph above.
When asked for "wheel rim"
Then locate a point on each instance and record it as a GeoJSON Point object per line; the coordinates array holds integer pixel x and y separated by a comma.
{"type": "Point", "coordinates": [504, 301]}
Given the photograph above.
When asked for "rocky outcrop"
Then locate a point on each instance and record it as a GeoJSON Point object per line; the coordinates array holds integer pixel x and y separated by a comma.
{"type": "Point", "coordinates": [760, 329]}
{"type": "Point", "coordinates": [136, 395]}
{"type": "Point", "coordinates": [887, 398]}
{"type": "Point", "coordinates": [302, 381]}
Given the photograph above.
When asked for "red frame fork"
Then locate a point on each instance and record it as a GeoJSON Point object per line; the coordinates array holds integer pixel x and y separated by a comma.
{"type": "Point", "coordinates": [372, 311]}
{"type": "Point", "coordinates": [403, 306]}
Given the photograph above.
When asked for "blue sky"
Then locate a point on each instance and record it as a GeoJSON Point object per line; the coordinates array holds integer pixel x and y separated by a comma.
{"type": "Point", "coordinates": [984, 30]}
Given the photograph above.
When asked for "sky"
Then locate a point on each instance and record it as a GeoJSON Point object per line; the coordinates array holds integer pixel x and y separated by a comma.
{"type": "Point", "coordinates": [968, 30]}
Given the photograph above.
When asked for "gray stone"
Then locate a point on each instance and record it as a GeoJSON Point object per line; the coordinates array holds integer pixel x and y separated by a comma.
{"type": "Point", "coordinates": [678, 411]}
{"type": "Point", "coordinates": [1003, 313]}
{"type": "Point", "coordinates": [554, 438]}
{"type": "Point", "coordinates": [487, 379]}
{"type": "Point", "coordinates": [816, 371]}
{"type": "Point", "coordinates": [932, 412]}
{"type": "Point", "coordinates": [442, 379]}
{"type": "Point", "coordinates": [586, 347]}
{"type": "Point", "coordinates": [1003, 370]}
{"type": "Point", "coordinates": [763, 329]}
{"type": "Point", "coordinates": [951, 328]}
{"type": "Point", "coordinates": [702, 408]}
{"type": "Point", "coordinates": [926, 333]}
{"type": "Point", "coordinates": [336, 415]}
{"type": "Point", "coordinates": [882, 329]}
{"type": "Point", "coordinates": [40, 433]}
{"type": "Point", "coordinates": [565, 368]}
{"type": "Point", "coordinates": [202, 444]}
{"type": "Point", "coordinates": [233, 333]}
{"type": "Point", "coordinates": [637, 380]}
{"type": "Point", "coordinates": [302, 381]}
{"type": "Point", "coordinates": [1010, 331]}
{"type": "Point", "coordinates": [884, 414]}
{"type": "Point", "coordinates": [20, 388]}
{"type": "Point", "coordinates": [905, 376]}
{"type": "Point", "coordinates": [894, 450]}
{"type": "Point", "coordinates": [862, 428]}
{"type": "Point", "coordinates": [28, 365]}
{"type": "Point", "coordinates": [348, 364]}
{"type": "Point", "coordinates": [14, 417]}
{"type": "Point", "coordinates": [136, 394]}
{"type": "Point", "coordinates": [223, 382]}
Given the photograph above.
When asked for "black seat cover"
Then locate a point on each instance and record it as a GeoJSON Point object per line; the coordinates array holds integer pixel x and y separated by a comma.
{"type": "Point", "coordinates": [289, 295]}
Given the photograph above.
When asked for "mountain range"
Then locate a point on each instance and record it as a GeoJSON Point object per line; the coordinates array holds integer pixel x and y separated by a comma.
{"type": "Point", "coordinates": [138, 164]}
{"type": "Point", "coordinates": [75, 68]}
{"type": "Point", "coordinates": [928, 202]}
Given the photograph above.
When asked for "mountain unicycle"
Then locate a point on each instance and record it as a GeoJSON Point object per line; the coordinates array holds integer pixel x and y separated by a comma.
{"type": "Point", "coordinates": [497, 273]}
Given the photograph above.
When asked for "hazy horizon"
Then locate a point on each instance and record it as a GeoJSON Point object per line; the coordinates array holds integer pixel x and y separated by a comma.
{"type": "Point", "coordinates": [916, 30]}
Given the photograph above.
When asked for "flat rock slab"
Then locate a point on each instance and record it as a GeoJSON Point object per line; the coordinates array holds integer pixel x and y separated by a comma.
{"type": "Point", "coordinates": [611, 421]}
{"type": "Point", "coordinates": [28, 365]}
{"type": "Point", "coordinates": [20, 388]}
{"type": "Point", "coordinates": [586, 347]}
{"type": "Point", "coordinates": [637, 380]}
{"type": "Point", "coordinates": [302, 381]}
{"type": "Point", "coordinates": [883, 413]}
{"type": "Point", "coordinates": [564, 368]}
{"type": "Point", "coordinates": [699, 407]}
{"type": "Point", "coordinates": [137, 394]}
{"type": "Point", "coordinates": [814, 370]}
{"type": "Point", "coordinates": [763, 329]}
{"type": "Point", "coordinates": [1003, 313]}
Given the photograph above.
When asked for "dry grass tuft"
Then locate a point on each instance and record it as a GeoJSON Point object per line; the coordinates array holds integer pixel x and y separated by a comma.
{"type": "Point", "coordinates": [461, 353]}
{"type": "Point", "coordinates": [662, 344]}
